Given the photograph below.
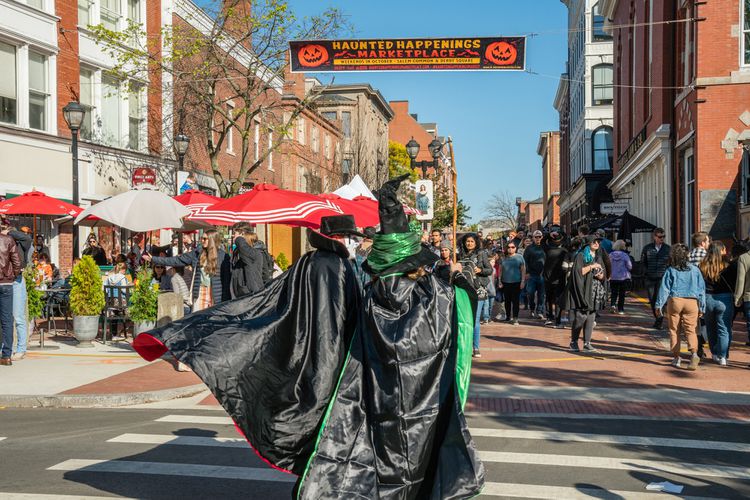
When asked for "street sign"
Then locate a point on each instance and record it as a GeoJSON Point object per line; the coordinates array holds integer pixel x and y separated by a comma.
{"type": "Point", "coordinates": [614, 208]}
{"type": "Point", "coordinates": [404, 54]}
{"type": "Point", "coordinates": [143, 175]}
{"type": "Point", "coordinates": [424, 201]}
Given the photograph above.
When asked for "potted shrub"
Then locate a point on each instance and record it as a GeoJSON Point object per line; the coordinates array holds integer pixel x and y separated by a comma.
{"type": "Point", "coordinates": [144, 302]}
{"type": "Point", "coordinates": [34, 305]}
{"type": "Point", "coordinates": [86, 300]}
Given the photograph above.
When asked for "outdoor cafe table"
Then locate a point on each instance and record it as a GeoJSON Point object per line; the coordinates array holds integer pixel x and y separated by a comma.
{"type": "Point", "coordinates": [47, 292]}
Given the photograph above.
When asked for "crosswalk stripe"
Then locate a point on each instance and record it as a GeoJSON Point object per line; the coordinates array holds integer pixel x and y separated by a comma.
{"type": "Point", "coordinates": [513, 490]}
{"type": "Point", "coordinates": [170, 439]}
{"type": "Point", "coordinates": [1, 438]}
{"type": "Point", "coordinates": [6, 495]}
{"type": "Point", "coordinates": [195, 419]}
{"type": "Point", "coordinates": [651, 466]}
{"type": "Point", "coordinates": [176, 469]}
{"type": "Point", "coordinates": [615, 439]}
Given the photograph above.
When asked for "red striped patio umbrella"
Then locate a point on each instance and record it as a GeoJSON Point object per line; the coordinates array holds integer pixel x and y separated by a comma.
{"type": "Point", "coordinates": [196, 201]}
{"type": "Point", "coordinates": [365, 211]}
{"type": "Point", "coordinates": [267, 204]}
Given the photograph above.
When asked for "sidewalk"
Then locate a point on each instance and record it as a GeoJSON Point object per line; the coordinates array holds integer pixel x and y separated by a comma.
{"type": "Point", "coordinates": [524, 370]}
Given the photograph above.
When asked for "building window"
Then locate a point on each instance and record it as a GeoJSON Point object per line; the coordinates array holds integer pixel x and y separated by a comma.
{"type": "Point", "coordinates": [602, 144]}
{"type": "Point", "coordinates": [135, 119]}
{"type": "Point", "coordinates": [746, 32]}
{"type": "Point", "coordinates": [8, 89]}
{"type": "Point", "coordinates": [689, 216]}
{"type": "Point", "coordinates": [256, 141]}
{"type": "Point", "coordinates": [329, 115]}
{"type": "Point", "coordinates": [270, 149]}
{"type": "Point", "coordinates": [84, 12]}
{"type": "Point", "coordinates": [229, 137]}
{"type": "Point", "coordinates": [134, 11]}
{"type": "Point", "coordinates": [745, 177]}
{"type": "Point", "coordinates": [327, 146]}
{"type": "Point", "coordinates": [301, 131]}
{"type": "Point", "coordinates": [86, 95]}
{"type": "Point", "coordinates": [603, 85]}
{"type": "Point", "coordinates": [599, 34]}
{"type": "Point", "coordinates": [315, 139]}
{"type": "Point", "coordinates": [38, 91]}
{"type": "Point", "coordinates": [109, 14]}
{"type": "Point", "coordinates": [346, 123]}
{"type": "Point", "coordinates": [111, 112]}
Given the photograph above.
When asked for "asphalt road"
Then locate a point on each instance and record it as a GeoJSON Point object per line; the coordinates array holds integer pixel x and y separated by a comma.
{"type": "Point", "coordinates": [197, 454]}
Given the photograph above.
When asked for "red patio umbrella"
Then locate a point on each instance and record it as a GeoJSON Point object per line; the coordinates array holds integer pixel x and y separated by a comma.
{"type": "Point", "coordinates": [196, 201]}
{"type": "Point", "coordinates": [364, 210]}
{"type": "Point", "coordinates": [267, 204]}
{"type": "Point", "coordinates": [37, 203]}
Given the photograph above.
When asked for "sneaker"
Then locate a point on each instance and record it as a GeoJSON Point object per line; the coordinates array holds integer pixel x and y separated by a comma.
{"type": "Point", "coordinates": [515, 322]}
{"type": "Point", "coordinates": [695, 360]}
{"type": "Point", "coordinates": [18, 356]}
{"type": "Point", "coordinates": [5, 362]}
{"type": "Point", "coordinates": [549, 322]}
{"type": "Point", "coordinates": [676, 362]}
{"type": "Point", "coordinates": [574, 347]}
{"type": "Point", "coordinates": [532, 314]}
{"type": "Point", "coordinates": [722, 361]}
{"type": "Point", "coordinates": [476, 354]}
{"type": "Point", "coordinates": [613, 309]}
{"type": "Point", "coordinates": [621, 313]}
{"type": "Point", "coordinates": [589, 348]}
{"type": "Point", "coordinates": [658, 323]}
{"type": "Point", "coordinates": [715, 358]}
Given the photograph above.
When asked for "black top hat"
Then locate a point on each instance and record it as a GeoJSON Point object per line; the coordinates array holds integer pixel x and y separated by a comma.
{"type": "Point", "coordinates": [393, 220]}
{"type": "Point", "coordinates": [334, 225]}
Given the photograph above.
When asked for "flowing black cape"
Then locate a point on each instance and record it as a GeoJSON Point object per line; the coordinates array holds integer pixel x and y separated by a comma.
{"type": "Point", "coordinates": [359, 400]}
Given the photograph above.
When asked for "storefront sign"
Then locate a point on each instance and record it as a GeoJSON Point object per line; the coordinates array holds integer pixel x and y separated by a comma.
{"type": "Point", "coordinates": [614, 207]}
{"type": "Point", "coordinates": [632, 148]}
{"type": "Point", "coordinates": [143, 175]}
{"type": "Point", "coordinates": [409, 54]}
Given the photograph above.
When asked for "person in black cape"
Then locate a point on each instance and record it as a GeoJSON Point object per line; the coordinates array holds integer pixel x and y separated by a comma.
{"type": "Point", "coordinates": [359, 399]}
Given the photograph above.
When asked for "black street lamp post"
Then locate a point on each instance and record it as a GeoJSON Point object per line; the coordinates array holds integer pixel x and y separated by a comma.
{"type": "Point", "coordinates": [181, 143]}
{"type": "Point", "coordinates": [412, 149]}
{"type": "Point", "coordinates": [74, 113]}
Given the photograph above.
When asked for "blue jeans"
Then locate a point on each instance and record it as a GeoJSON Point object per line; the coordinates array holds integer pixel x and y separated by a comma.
{"type": "Point", "coordinates": [481, 304]}
{"type": "Point", "coordinates": [486, 308]}
{"type": "Point", "coordinates": [535, 293]}
{"type": "Point", "coordinates": [6, 319]}
{"type": "Point", "coordinates": [719, 314]}
{"type": "Point", "coordinates": [19, 314]}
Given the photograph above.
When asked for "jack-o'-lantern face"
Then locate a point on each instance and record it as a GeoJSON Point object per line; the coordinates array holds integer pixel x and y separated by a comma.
{"type": "Point", "coordinates": [312, 56]}
{"type": "Point", "coordinates": [501, 53]}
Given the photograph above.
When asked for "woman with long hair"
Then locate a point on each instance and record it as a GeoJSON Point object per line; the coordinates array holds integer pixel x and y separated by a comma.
{"type": "Point", "coordinates": [510, 277]}
{"type": "Point", "coordinates": [683, 292]}
{"type": "Point", "coordinates": [476, 268]}
{"type": "Point", "coordinates": [720, 277]}
{"type": "Point", "coordinates": [587, 294]}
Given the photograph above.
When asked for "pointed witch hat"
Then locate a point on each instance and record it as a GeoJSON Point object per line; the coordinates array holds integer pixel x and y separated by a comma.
{"type": "Point", "coordinates": [395, 248]}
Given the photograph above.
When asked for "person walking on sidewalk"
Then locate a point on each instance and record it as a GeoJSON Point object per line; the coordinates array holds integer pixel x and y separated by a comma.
{"type": "Point", "coordinates": [683, 292]}
{"type": "Point", "coordinates": [742, 289]}
{"type": "Point", "coordinates": [654, 258]}
{"type": "Point", "coordinates": [621, 280]}
{"type": "Point", "coordinates": [476, 268]}
{"type": "Point", "coordinates": [554, 278]}
{"type": "Point", "coordinates": [721, 279]}
{"type": "Point", "coordinates": [10, 269]}
{"type": "Point", "coordinates": [534, 257]}
{"type": "Point", "coordinates": [700, 241]}
{"type": "Point", "coordinates": [587, 293]}
{"type": "Point", "coordinates": [510, 277]}
{"type": "Point", "coordinates": [20, 317]}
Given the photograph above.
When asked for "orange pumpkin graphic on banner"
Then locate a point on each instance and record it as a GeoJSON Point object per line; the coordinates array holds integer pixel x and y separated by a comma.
{"type": "Point", "coordinates": [501, 53]}
{"type": "Point", "coordinates": [312, 55]}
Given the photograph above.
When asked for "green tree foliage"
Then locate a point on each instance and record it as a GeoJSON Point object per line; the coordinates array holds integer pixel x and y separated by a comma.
{"type": "Point", "coordinates": [33, 296]}
{"type": "Point", "coordinates": [443, 209]}
{"type": "Point", "coordinates": [144, 300]}
{"type": "Point", "coordinates": [399, 162]}
{"type": "Point", "coordinates": [86, 293]}
{"type": "Point", "coordinates": [225, 76]}
{"type": "Point", "coordinates": [282, 261]}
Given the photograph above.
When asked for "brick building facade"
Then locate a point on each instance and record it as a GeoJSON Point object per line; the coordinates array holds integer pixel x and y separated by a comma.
{"type": "Point", "coordinates": [549, 149]}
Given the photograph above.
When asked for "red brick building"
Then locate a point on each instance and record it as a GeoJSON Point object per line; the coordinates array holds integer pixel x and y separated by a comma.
{"type": "Point", "coordinates": [530, 213]}
{"type": "Point", "coordinates": [682, 107]}
{"type": "Point", "coordinates": [562, 105]}
{"type": "Point", "coordinates": [549, 149]}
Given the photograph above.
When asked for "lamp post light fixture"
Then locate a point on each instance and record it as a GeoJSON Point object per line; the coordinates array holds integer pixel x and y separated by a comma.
{"type": "Point", "coordinates": [412, 149]}
{"type": "Point", "coordinates": [74, 113]}
{"type": "Point", "coordinates": [181, 143]}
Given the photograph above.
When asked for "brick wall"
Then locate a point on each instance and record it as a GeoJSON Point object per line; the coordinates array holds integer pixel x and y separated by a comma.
{"type": "Point", "coordinates": [68, 67]}
{"type": "Point", "coordinates": [404, 127]}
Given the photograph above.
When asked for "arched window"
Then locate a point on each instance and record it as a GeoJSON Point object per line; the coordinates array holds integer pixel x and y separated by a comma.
{"type": "Point", "coordinates": [597, 21]}
{"type": "Point", "coordinates": [602, 84]}
{"type": "Point", "coordinates": [601, 141]}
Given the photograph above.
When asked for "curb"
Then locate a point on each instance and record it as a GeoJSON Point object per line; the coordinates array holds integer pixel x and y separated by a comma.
{"type": "Point", "coordinates": [99, 400]}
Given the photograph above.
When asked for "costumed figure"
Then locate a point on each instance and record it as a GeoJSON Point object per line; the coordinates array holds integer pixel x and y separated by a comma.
{"type": "Point", "coordinates": [362, 400]}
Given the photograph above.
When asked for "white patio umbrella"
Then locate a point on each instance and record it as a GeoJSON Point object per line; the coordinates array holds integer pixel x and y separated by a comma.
{"type": "Point", "coordinates": [356, 187]}
{"type": "Point", "coordinates": [139, 210]}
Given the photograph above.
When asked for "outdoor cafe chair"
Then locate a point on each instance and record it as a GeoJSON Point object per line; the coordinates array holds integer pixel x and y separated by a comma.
{"type": "Point", "coordinates": [116, 301]}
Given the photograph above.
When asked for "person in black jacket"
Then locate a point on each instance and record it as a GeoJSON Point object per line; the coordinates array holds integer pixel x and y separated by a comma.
{"type": "Point", "coordinates": [554, 278]}
{"type": "Point", "coordinates": [247, 262]}
{"type": "Point", "coordinates": [477, 269]}
{"type": "Point", "coordinates": [212, 270]}
{"type": "Point", "coordinates": [95, 251]}
{"type": "Point", "coordinates": [654, 259]}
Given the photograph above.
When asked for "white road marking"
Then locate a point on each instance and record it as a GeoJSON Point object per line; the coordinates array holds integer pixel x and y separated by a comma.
{"type": "Point", "coordinates": [555, 492]}
{"type": "Point", "coordinates": [1, 438]}
{"type": "Point", "coordinates": [615, 439]}
{"type": "Point", "coordinates": [631, 464]}
{"type": "Point", "coordinates": [195, 419]}
{"type": "Point", "coordinates": [5, 495]}
{"type": "Point", "coordinates": [171, 439]}
{"type": "Point", "coordinates": [176, 469]}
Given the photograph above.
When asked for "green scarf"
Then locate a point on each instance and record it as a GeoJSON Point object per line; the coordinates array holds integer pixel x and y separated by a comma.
{"type": "Point", "coordinates": [390, 249]}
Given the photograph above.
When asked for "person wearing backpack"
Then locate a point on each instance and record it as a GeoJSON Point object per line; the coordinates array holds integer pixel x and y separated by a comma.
{"type": "Point", "coordinates": [248, 262]}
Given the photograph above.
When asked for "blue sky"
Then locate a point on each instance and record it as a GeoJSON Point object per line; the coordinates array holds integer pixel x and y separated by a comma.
{"type": "Point", "coordinates": [494, 118]}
